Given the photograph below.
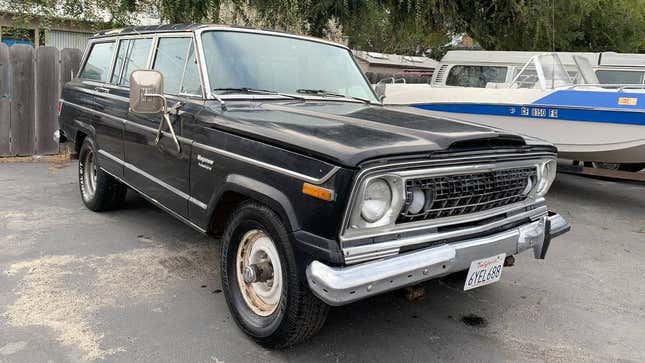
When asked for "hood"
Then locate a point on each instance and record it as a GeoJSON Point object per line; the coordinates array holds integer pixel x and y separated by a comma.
{"type": "Point", "coordinates": [351, 133]}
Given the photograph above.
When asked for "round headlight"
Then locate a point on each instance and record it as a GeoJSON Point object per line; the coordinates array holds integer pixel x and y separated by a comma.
{"type": "Point", "coordinates": [376, 200]}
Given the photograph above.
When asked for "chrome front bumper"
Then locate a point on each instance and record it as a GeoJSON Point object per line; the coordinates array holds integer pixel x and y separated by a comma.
{"type": "Point", "coordinates": [343, 285]}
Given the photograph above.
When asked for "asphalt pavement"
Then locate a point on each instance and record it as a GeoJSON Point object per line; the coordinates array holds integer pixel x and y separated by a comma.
{"type": "Point", "coordinates": [138, 285]}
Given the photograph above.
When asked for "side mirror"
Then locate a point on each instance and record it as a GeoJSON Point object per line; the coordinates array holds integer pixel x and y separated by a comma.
{"type": "Point", "coordinates": [146, 91]}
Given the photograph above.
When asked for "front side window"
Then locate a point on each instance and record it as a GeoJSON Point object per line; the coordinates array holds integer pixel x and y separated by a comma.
{"type": "Point", "coordinates": [132, 55]}
{"type": "Point", "coordinates": [170, 60]}
{"type": "Point", "coordinates": [280, 64]}
{"type": "Point", "coordinates": [620, 77]}
{"type": "Point", "coordinates": [98, 62]}
{"type": "Point", "coordinates": [191, 84]}
{"type": "Point", "coordinates": [475, 76]}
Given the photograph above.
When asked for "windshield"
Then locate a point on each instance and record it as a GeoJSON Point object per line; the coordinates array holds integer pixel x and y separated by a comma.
{"type": "Point", "coordinates": [543, 71]}
{"type": "Point", "coordinates": [241, 60]}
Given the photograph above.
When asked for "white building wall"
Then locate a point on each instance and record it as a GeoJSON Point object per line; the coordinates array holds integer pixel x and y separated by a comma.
{"type": "Point", "coordinates": [67, 39]}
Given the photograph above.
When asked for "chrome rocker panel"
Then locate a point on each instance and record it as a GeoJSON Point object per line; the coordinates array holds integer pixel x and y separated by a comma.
{"type": "Point", "coordinates": [342, 285]}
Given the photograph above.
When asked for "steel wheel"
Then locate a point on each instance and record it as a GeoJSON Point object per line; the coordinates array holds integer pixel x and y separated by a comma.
{"type": "Point", "coordinates": [89, 173]}
{"type": "Point", "coordinates": [259, 272]}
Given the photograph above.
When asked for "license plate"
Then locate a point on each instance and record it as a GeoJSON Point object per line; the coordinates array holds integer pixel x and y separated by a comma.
{"type": "Point", "coordinates": [485, 271]}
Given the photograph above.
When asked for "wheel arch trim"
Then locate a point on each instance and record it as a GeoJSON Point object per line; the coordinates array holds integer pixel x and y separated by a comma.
{"type": "Point", "coordinates": [260, 192]}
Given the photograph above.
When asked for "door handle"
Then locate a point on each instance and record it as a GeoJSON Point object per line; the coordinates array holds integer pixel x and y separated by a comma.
{"type": "Point", "coordinates": [102, 89]}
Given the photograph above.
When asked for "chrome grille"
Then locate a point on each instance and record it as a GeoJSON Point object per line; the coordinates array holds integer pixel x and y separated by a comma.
{"type": "Point", "coordinates": [454, 195]}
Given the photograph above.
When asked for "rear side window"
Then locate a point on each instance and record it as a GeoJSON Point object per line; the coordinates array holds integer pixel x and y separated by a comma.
{"type": "Point", "coordinates": [475, 76]}
{"type": "Point", "coordinates": [98, 62]}
{"type": "Point", "coordinates": [175, 59]}
{"type": "Point", "coordinates": [132, 55]}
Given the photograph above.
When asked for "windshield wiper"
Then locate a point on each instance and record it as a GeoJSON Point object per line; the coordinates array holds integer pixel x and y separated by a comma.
{"type": "Point", "coordinates": [259, 92]}
{"type": "Point", "coordinates": [323, 93]}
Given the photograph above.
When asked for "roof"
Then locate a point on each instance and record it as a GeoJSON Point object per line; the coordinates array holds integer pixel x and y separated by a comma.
{"type": "Point", "coordinates": [508, 57]}
{"type": "Point", "coordinates": [395, 60]}
{"type": "Point", "coordinates": [146, 29]}
{"type": "Point", "coordinates": [622, 59]}
{"type": "Point", "coordinates": [167, 28]}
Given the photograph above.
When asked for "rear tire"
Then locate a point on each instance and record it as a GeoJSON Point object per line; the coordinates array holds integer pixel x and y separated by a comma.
{"type": "Point", "coordinates": [279, 311]}
{"type": "Point", "coordinates": [99, 190]}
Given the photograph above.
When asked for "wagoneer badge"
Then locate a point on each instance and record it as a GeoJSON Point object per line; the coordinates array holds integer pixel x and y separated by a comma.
{"type": "Point", "coordinates": [204, 162]}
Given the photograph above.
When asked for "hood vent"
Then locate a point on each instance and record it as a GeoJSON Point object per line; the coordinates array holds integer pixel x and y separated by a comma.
{"type": "Point", "coordinates": [489, 142]}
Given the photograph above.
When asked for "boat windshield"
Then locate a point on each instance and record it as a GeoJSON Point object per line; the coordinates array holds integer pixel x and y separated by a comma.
{"type": "Point", "coordinates": [544, 71]}
{"type": "Point", "coordinates": [238, 60]}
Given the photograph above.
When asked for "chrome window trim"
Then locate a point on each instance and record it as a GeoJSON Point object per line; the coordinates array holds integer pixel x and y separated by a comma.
{"type": "Point", "coordinates": [427, 169]}
{"type": "Point", "coordinates": [190, 35]}
{"type": "Point", "coordinates": [278, 169]}
{"type": "Point", "coordinates": [86, 55]}
{"type": "Point", "coordinates": [118, 45]}
{"type": "Point", "coordinates": [153, 50]}
{"type": "Point", "coordinates": [208, 28]}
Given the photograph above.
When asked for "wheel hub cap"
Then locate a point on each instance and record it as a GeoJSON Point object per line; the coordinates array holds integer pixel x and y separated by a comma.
{"type": "Point", "coordinates": [88, 175]}
{"type": "Point", "coordinates": [259, 273]}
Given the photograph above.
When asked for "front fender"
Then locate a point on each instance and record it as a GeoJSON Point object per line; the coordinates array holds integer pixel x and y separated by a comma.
{"type": "Point", "coordinates": [261, 192]}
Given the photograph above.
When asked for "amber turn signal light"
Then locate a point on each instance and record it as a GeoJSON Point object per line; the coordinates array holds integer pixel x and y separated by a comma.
{"type": "Point", "coordinates": [318, 192]}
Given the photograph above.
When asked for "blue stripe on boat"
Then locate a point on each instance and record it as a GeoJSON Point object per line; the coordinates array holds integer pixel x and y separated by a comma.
{"type": "Point", "coordinates": [541, 112]}
{"type": "Point", "coordinates": [594, 99]}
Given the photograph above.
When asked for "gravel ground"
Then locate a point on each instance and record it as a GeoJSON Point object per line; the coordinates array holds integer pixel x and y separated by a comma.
{"type": "Point", "coordinates": [137, 285]}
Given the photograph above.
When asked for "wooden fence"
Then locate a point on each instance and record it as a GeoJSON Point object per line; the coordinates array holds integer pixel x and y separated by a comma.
{"type": "Point", "coordinates": [30, 84]}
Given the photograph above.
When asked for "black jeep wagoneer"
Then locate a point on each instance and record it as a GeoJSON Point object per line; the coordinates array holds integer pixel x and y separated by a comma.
{"type": "Point", "coordinates": [278, 144]}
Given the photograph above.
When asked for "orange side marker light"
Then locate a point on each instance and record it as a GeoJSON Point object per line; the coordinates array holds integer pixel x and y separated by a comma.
{"type": "Point", "coordinates": [318, 192]}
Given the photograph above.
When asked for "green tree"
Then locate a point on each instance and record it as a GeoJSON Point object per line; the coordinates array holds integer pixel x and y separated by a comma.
{"type": "Point", "coordinates": [563, 25]}
{"type": "Point", "coordinates": [397, 26]}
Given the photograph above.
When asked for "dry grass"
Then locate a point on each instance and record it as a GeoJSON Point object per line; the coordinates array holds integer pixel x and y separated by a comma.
{"type": "Point", "coordinates": [56, 159]}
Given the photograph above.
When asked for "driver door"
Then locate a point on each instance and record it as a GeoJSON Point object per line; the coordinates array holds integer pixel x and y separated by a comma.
{"type": "Point", "coordinates": [159, 169]}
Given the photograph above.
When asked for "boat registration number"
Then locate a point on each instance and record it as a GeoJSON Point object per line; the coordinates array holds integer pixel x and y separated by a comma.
{"type": "Point", "coordinates": [485, 271]}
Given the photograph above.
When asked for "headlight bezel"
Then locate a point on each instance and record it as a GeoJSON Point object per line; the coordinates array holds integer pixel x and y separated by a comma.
{"type": "Point", "coordinates": [368, 206]}
{"type": "Point", "coordinates": [546, 173]}
{"type": "Point", "coordinates": [397, 189]}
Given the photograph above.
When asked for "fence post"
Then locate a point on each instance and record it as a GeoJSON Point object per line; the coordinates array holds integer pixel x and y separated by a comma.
{"type": "Point", "coordinates": [5, 105]}
{"type": "Point", "coordinates": [70, 61]}
{"type": "Point", "coordinates": [47, 91]}
{"type": "Point", "coordinates": [22, 103]}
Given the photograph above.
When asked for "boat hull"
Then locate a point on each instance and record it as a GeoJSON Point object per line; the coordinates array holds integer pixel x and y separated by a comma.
{"type": "Point", "coordinates": [589, 125]}
{"type": "Point", "coordinates": [577, 140]}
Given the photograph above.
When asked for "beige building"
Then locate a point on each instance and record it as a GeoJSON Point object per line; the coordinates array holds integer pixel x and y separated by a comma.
{"type": "Point", "coordinates": [59, 32]}
{"type": "Point", "coordinates": [378, 66]}
{"type": "Point", "coordinates": [392, 63]}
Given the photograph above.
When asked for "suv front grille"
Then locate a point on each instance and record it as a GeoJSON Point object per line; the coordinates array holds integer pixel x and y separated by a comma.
{"type": "Point", "coordinates": [455, 195]}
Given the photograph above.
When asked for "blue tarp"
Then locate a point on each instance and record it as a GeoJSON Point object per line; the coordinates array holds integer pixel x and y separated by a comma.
{"type": "Point", "coordinates": [11, 42]}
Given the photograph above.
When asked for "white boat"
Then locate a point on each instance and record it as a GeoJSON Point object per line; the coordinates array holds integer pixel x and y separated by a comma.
{"type": "Point", "coordinates": [474, 68]}
{"type": "Point", "coordinates": [587, 122]}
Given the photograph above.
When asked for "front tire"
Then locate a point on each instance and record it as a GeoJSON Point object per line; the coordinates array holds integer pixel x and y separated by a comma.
{"type": "Point", "coordinates": [272, 303]}
{"type": "Point", "coordinates": [99, 190]}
